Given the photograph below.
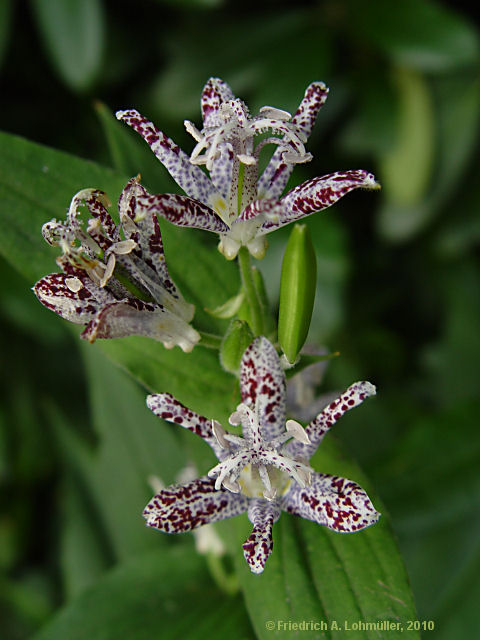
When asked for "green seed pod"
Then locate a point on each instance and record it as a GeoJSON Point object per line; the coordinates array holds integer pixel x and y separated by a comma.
{"type": "Point", "coordinates": [235, 341]}
{"type": "Point", "coordinates": [297, 292]}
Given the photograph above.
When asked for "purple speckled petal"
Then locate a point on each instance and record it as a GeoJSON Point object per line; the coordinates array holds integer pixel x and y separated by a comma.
{"type": "Point", "coordinates": [165, 406]}
{"type": "Point", "coordinates": [127, 201]}
{"type": "Point", "coordinates": [122, 319]}
{"type": "Point", "coordinates": [183, 211]}
{"type": "Point", "coordinates": [317, 194]}
{"type": "Point", "coordinates": [318, 427]}
{"type": "Point", "coordinates": [339, 504]}
{"type": "Point", "coordinates": [262, 382]}
{"type": "Point", "coordinates": [221, 172]}
{"type": "Point", "coordinates": [181, 508]}
{"type": "Point", "coordinates": [188, 176]}
{"type": "Point", "coordinates": [214, 94]}
{"type": "Point", "coordinates": [76, 299]}
{"type": "Point", "coordinates": [105, 231]}
{"type": "Point", "coordinates": [264, 206]}
{"type": "Point", "coordinates": [258, 546]}
{"type": "Point", "coordinates": [273, 180]}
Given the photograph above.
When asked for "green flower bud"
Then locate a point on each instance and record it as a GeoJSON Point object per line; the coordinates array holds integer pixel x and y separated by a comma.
{"type": "Point", "coordinates": [238, 337]}
{"type": "Point", "coordinates": [297, 292]}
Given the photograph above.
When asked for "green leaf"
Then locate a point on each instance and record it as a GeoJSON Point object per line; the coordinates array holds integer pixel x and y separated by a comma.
{"type": "Point", "coordinates": [73, 33]}
{"type": "Point", "coordinates": [37, 184]}
{"type": "Point", "coordinates": [418, 33]}
{"type": "Point", "coordinates": [133, 445]}
{"type": "Point", "coordinates": [196, 379]}
{"type": "Point", "coordinates": [317, 574]}
{"type": "Point", "coordinates": [156, 595]}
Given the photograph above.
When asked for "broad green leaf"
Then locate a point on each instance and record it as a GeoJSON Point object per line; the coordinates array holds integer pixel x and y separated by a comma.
{"type": "Point", "coordinates": [317, 574]}
{"type": "Point", "coordinates": [155, 595]}
{"type": "Point", "coordinates": [196, 378]}
{"type": "Point", "coordinates": [73, 34]}
{"type": "Point", "coordinates": [419, 33]}
{"type": "Point", "coordinates": [133, 445]}
{"type": "Point", "coordinates": [83, 554]}
{"type": "Point", "coordinates": [36, 185]}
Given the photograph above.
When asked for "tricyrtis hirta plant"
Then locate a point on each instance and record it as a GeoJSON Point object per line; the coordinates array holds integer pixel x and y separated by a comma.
{"type": "Point", "coordinates": [116, 285]}
{"type": "Point", "coordinates": [266, 471]}
{"type": "Point", "coordinates": [115, 281]}
{"type": "Point", "coordinates": [234, 201]}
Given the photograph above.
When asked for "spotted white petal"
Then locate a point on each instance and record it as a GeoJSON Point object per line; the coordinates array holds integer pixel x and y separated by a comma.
{"type": "Point", "coordinates": [122, 319]}
{"type": "Point", "coordinates": [181, 508]}
{"type": "Point", "coordinates": [262, 383]}
{"type": "Point", "coordinates": [318, 194]}
{"type": "Point", "coordinates": [258, 546]}
{"type": "Point", "coordinates": [339, 504]}
{"type": "Point", "coordinates": [167, 407]}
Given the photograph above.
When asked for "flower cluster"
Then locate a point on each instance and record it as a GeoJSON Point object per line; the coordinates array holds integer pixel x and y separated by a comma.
{"type": "Point", "coordinates": [265, 472]}
{"type": "Point", "coordinates": [115, 281]}
{"type": "Point", "coordinates": [115, 286]}
{"type": "Point", "coordinates": [234, 201]}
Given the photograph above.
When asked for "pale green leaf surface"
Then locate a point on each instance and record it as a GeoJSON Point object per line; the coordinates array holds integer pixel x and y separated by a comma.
{"type": "Point", "coordinates": [155, 595]}
{"type": "Point", "coordinates": [73, 33]}
{"type": "Point", "coordinates": [82, 555]}
{"type": "Point", "coordinates": [37, 184]}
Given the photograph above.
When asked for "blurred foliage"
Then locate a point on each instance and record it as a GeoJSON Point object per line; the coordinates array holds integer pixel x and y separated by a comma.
{"type": "Point", "coordinates": [397, 287]}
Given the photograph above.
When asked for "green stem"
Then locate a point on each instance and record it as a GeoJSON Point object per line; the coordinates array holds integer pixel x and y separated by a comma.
{"type": "Point", "coordinates": [228, 583]}
{"type": "Point", "coordinates": [209, 340]}
{"type": "Point", "coordinates": [251, 293]}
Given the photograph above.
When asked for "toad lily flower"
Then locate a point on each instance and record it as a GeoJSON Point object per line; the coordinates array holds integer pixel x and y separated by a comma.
{"type": "Point", "coordinates": [266, 471]}
{"type": "Point", "coordinates": [117, 287]}
{"type": "Point", "coordinates": [233, 200]}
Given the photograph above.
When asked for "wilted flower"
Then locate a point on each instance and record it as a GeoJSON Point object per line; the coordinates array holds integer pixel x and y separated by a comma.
{"type": "Point", "coordinates": [117, 285]}
{"type": "Point", "coordinates": [233, 200]}
{"type": "Point", "coordinates": [267, 470]}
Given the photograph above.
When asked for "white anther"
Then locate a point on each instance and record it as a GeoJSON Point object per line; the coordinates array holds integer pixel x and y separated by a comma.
{"type": "Point", "coordinates": [235, 419]}
{"type": "Point", "coordinates": [219, 433]}
{"type": "Point", "coordinates": [124, 247]}
{"type": "Point", "coordinates": [234, 486]}
{"type": "Point", "coordinates": [246, 159]}
{"type": "Point", "coordinates": [270, 495]}
{"type": "Point", "coordinates": [108, 271]}
{"type": "Point", "coordinates": [74, 284]}
{"type": "Point", "coordinates": [306, 477]}
{"type": "Point", "coordinates": [192, 130]}
{"type": "Point", "coordinates": [94, 224]}
{"type": "Point", "coordinates": [297, 431]}
{"type": "Point", "coordinates": [276, 114]}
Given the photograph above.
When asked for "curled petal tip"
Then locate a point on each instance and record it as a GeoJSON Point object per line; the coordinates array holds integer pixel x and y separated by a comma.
{"type": "Point", "coordinates": [371, 183]}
